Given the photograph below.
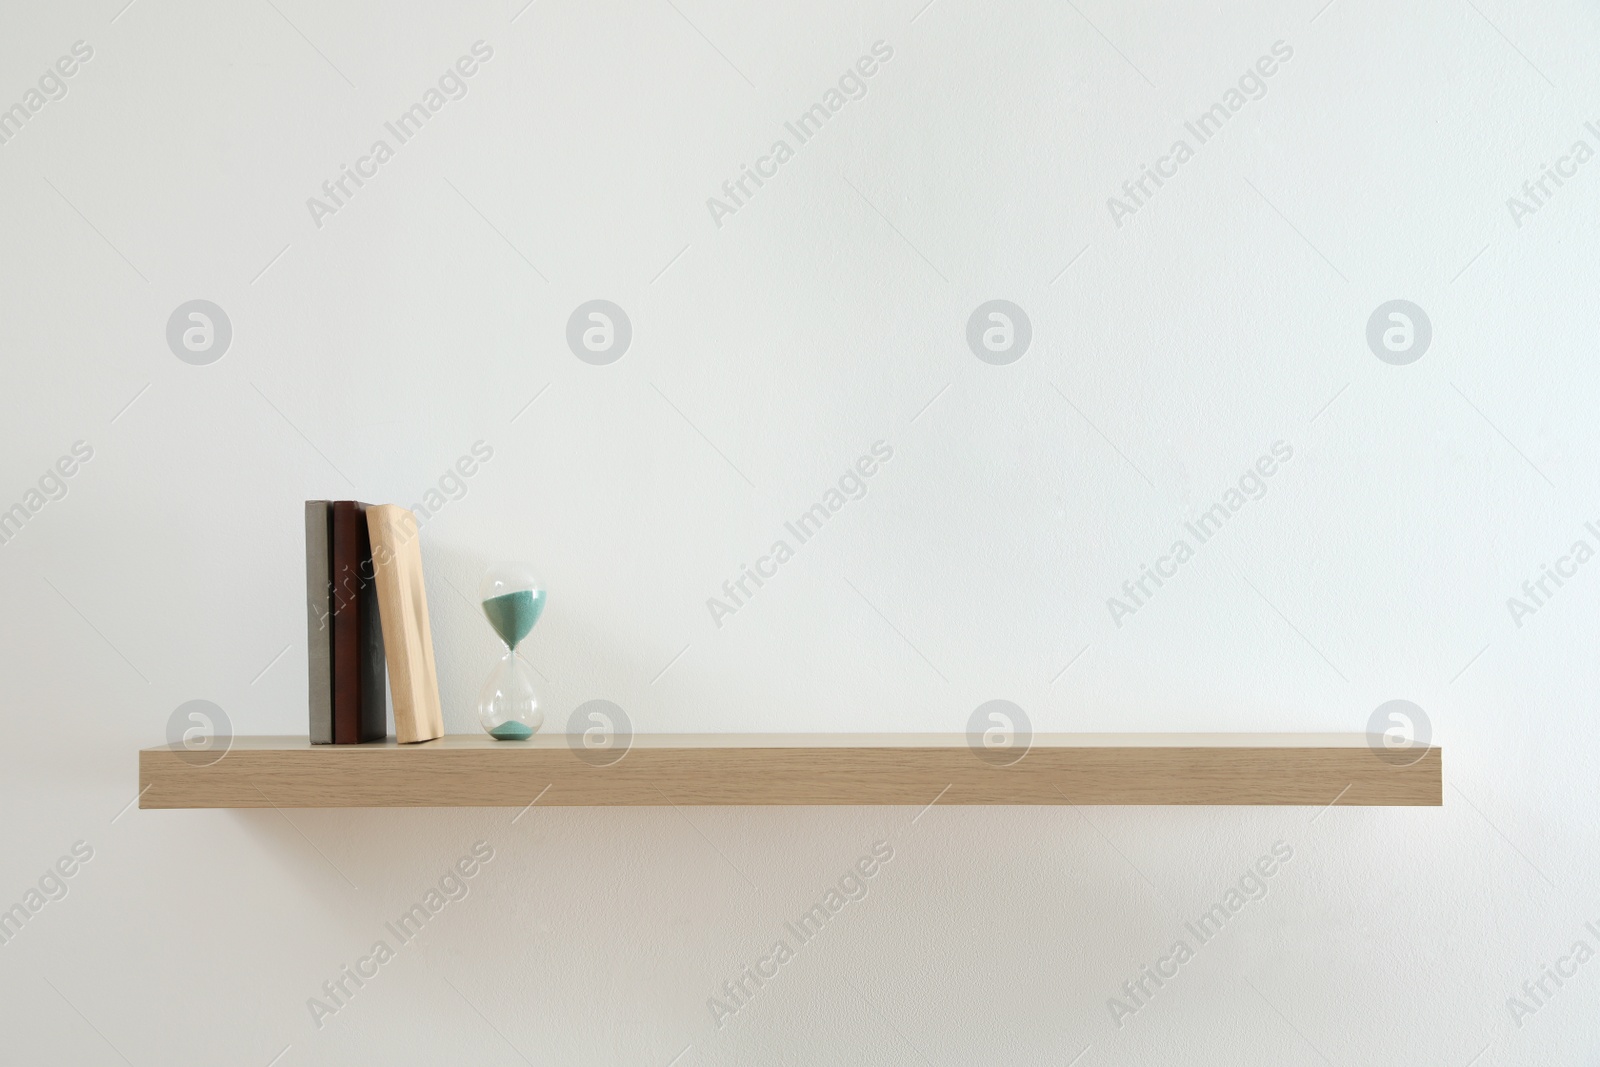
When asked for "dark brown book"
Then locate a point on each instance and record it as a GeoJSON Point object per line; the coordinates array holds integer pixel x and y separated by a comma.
{"type": "Point", "coordinates": [358, 662]}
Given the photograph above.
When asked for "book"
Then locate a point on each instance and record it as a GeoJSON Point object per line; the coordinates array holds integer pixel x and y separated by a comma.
{"type": "Point", "coordinates": [358, 649]}
{"type": "Point", "coordinates": [319, 622]}
{"type": "Point", "coordinates": [407, 638]}
{"type": "Point", "coordinates": [374, 723]}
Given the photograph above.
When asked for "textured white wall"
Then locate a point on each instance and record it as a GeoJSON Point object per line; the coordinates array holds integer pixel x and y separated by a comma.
{"type": "Point", "coordinates": [1227, 311]}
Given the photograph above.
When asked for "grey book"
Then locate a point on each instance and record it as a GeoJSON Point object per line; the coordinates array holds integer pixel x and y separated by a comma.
{"type": "Point", "coordinates": [319, 621]}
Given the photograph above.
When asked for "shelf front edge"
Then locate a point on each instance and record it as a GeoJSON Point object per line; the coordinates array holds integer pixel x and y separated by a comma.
{"type": "Point", "coordinates": [256, 773]}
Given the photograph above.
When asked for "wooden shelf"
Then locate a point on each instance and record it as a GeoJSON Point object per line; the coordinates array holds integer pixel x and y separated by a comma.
{"type": "Point", "coordinates": [690, 769]}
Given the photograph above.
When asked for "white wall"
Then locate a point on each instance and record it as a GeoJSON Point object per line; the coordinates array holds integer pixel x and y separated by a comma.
{"type": "Point", "coordinates": [1224, 315]}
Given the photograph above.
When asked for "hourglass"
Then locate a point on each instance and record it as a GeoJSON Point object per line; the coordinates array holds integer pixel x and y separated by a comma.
{"type": "Point", "coordinates": [512, 601]}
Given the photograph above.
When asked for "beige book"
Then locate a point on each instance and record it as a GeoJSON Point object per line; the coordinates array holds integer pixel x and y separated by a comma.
{"type": "Point", "coordinates": [403, 609]}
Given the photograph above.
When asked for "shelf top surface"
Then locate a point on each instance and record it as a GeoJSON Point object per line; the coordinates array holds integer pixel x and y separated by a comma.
{"type": "Point", "coordinates": [822, 740]}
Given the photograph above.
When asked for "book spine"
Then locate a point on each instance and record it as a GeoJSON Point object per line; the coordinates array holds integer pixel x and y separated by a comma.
{"type": "Point", "coordinates": [403, 604]}
{"type": "Point", "coordinates": [319, 623]}
{"type": "Point", "coordinates": [346, 553]}
{"type": "Point", "coordinates": [374, 722]}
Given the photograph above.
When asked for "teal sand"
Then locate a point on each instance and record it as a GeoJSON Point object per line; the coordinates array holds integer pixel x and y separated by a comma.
{"type": "Point", "coordinates": [513, 614]}
{"type": "Point", "coordinates": [513, 730]}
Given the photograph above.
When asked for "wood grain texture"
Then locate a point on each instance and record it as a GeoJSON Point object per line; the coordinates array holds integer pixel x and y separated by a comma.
{"type": "Point", "coordinates": [760, 769]}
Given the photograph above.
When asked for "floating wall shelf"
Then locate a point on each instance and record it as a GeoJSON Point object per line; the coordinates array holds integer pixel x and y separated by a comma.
{"type": "Point", "coordinates": [691, 769]}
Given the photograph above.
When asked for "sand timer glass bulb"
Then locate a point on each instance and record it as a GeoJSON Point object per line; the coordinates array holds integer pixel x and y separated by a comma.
{"type": "Point", "coordinates": [512, 601]}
